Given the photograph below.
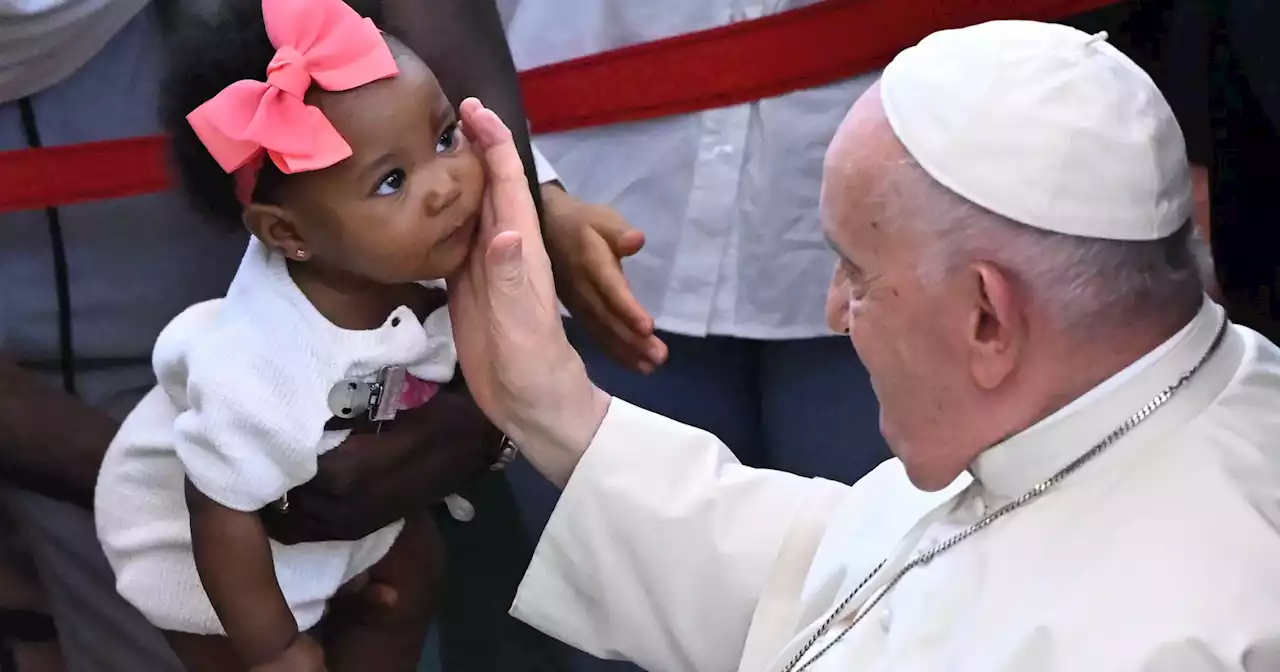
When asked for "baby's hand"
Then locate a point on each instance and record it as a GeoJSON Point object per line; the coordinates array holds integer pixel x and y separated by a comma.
{"type": "Point", "coordinates": [303, 655]}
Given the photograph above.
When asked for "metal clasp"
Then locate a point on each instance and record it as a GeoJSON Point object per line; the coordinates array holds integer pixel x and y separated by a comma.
{"type": "Point", "coordinates": [379, 397]}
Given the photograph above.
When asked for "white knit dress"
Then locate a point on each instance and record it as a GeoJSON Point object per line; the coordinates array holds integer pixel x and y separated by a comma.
{"type": "Point", "coordinates": [240, 409]}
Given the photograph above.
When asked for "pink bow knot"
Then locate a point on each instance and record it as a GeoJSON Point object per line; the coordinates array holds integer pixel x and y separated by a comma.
{"type": "Point", "coordinates": [287, 71]}
{"type": "Point", "coordinates": [324, 42]}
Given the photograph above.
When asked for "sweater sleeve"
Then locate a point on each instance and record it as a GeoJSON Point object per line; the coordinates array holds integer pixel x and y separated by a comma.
{"type": "Point", "coordinates": [252, 420]}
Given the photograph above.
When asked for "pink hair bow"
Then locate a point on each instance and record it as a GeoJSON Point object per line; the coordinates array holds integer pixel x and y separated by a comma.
{"type": "Point", "coordinates": [321, 41]}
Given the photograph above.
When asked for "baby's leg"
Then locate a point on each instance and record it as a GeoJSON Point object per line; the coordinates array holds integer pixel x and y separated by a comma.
{"type": "Point", "coordinates": [204, 653]}
{"type": "Point", "coordinates": [360, 637]}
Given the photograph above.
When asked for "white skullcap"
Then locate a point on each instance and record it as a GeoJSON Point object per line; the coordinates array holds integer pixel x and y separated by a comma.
{"type": "Point", "coordinates": [1045, 125]}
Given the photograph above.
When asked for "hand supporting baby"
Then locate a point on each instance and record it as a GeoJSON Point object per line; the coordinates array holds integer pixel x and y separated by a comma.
{"type": "Point", "coordinates": [372, 480]}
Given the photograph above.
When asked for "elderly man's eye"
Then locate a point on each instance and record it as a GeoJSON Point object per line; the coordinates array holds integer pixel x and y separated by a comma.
{"type": "Point", "coordinates": [850, 272]}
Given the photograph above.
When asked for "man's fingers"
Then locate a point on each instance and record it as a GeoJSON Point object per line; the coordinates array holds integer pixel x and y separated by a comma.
{"type": "Point", "coordinates": [505, 267]}
{"type": "Point", "coordinates": [509, 195]}
{"type": "Point", "coordinates": [508, 203]}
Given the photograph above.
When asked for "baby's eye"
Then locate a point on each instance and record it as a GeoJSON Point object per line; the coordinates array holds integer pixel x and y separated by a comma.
{"type": "Point", "coordinates": [391, 184]}
{"type": "Point", "coordinates": [448, 140]}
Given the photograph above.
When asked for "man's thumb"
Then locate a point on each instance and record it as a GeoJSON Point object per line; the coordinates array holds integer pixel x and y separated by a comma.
{"type": "Point", "coordinates": [505, 261]}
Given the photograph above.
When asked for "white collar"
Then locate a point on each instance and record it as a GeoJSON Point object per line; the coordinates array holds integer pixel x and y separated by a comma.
{"type": "Point", "coordinates": [1014, 466]}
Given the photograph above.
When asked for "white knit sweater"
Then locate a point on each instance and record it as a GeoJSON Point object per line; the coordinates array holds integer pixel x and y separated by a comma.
{"type": "Point", "coordinates": [240, 409]}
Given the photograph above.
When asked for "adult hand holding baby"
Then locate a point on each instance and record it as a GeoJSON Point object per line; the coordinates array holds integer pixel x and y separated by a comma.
{"type": "Point", "coordinates": [521, 370]}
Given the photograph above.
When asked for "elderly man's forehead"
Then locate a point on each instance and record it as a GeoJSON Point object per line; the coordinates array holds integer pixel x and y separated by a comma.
{"type": "Point", "coordinates": [863, 137]}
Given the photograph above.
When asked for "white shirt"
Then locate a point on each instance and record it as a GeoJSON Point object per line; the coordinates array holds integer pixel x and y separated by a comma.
{"type": "Point", "coordinates": [727, 199]}
{"type": "Point", "coordinates": [240, 410]}
{"type": "Point", "coordinates": [1160, 554]}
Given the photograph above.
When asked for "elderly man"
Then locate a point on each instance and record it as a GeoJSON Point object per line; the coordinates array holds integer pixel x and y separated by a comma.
{"type": "Point", "coordinates": [1086, 477]}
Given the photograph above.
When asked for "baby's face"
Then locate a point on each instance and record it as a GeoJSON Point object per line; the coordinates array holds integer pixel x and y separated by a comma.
{"type": "Point", "coordinates": [405, 205]}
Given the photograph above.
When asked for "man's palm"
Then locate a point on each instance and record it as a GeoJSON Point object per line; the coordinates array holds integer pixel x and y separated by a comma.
{"type": "Point", "coordinates": [522, 372]}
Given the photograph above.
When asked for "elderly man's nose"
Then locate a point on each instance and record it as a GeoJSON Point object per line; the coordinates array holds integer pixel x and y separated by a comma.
{"type": "Point", "coordinates": [837, 308]}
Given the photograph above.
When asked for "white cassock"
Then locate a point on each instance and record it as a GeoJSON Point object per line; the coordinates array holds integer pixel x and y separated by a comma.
{"type": "Point", "coordinates": [1161, 554]}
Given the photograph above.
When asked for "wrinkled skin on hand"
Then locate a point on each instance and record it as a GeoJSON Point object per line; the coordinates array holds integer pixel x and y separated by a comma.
{"type": "Point", "coordinates": [511, 342]}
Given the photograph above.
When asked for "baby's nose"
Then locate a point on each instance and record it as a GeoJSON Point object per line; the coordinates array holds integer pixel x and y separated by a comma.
{"type": "Point", "coordinates": [443, 191]}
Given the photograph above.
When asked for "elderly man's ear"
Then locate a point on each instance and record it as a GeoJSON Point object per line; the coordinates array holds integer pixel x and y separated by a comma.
{"type": "Point", "coordinates": [996, 326]}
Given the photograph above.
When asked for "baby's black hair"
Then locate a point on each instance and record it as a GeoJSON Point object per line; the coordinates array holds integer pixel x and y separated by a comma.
{"type": "Point", "coordinates": [207, 51]}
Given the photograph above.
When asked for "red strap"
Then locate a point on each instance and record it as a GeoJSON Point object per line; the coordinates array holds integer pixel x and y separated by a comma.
{"type": "Point", "coordinates": [741, 62]}
{"type": "Point", "coordinates": [31, 179]}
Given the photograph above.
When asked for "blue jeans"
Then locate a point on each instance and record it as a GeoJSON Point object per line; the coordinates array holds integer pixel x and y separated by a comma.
{"type": "Point", "coordinates": [803, 406]}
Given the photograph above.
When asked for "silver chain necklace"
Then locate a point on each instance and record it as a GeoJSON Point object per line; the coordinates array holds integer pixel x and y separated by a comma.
{"type": "Point", "coordinates": [794, 665]}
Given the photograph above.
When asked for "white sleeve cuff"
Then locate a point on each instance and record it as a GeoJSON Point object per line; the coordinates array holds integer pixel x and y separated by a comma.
{"type": "Point", "coordinates": [607, 578]}
{"type": "Point", "coordinates": [546, 172]}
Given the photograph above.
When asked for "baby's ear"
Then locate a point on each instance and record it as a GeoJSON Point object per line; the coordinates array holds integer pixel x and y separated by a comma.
{"type": "Point", "coordinates": [275, 227]}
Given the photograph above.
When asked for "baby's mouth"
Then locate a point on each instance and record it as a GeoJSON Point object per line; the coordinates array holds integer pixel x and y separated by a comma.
{"type": "Point", "coordinates": [463, 225]}
{"type": "Point", "coordinates": [467, 228]}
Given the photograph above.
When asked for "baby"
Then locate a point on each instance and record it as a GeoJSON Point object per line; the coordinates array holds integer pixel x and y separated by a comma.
{"type": "Point", "coordinates": [336, 147]}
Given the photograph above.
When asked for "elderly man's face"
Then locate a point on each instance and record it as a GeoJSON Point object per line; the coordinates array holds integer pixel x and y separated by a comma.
{"type": "Point", "coordinates": [908, 335]}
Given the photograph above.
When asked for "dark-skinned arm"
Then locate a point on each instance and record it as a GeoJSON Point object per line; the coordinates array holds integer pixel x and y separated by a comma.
{"type": "Point", "coordinates": [372, 480]}
{"type": "Point", "coordinates": [464, 44]}
{"type": "Point", "coordinates": [50, 441]}
{"type": "Point", "coordinates": [233, 559]}
{"type": "Point", "coordinates": [375, 478]}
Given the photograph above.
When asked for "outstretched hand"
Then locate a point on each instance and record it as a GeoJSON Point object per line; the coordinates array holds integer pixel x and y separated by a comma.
{"type": "Point", "coordinates": [587, 243]}
{"type": "Point", "coordinates": [511, 345]}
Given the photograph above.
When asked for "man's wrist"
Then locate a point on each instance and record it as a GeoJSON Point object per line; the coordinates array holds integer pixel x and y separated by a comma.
{"type": "Point", "coordinates": [554, 443]}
